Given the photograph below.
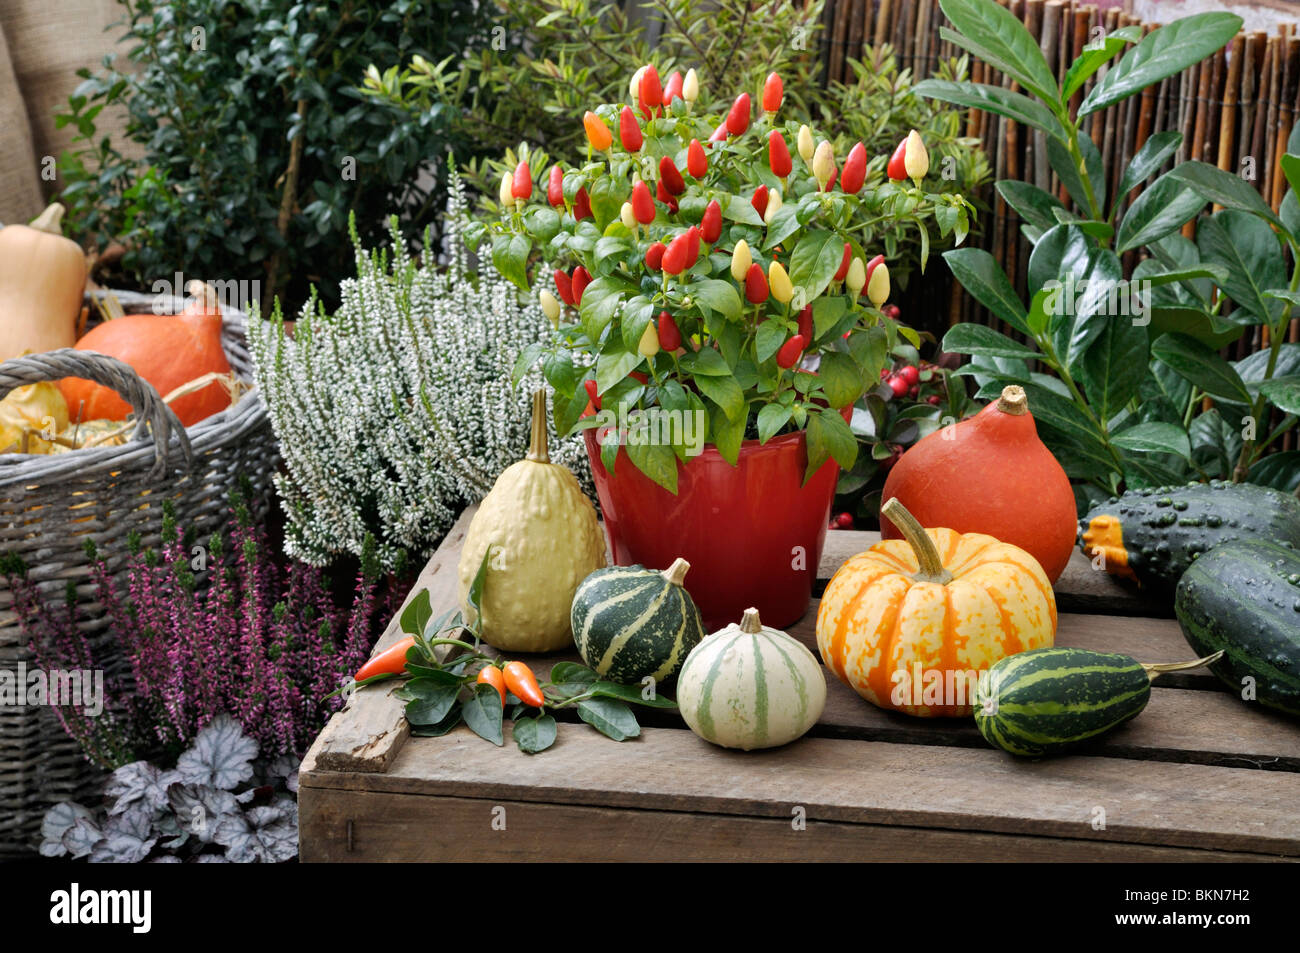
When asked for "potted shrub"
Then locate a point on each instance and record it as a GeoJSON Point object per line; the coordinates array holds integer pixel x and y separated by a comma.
{"type": "Point", "coordinates": [717, 303]}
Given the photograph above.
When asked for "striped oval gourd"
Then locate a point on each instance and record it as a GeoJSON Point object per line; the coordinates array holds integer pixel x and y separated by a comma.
{"type": "Point", "coordinates": [909, 625]}
{"type": "Point", "coordinates": [1046, 701]}
{"type": "Point", "coordinates": [748, 686]}
{"type": "Point", "coordinates": [630, 622]}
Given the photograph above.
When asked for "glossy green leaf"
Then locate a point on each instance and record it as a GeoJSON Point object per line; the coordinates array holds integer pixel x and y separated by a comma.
{"type": "Point", "coordinates": [984, 279]}
{"type": "Point", "coordinates": [1201, 366]}
{"type": "Point", "coordinates": [718, 295]}
{"type": "Point", "coordinates": [978, 339]}
{"type": "Point", "coordinates": [997, 36]}
{"type": "Point", "coordinates": [725, 392]}
{"type": "Point", "coordinates": [840, 377]}
{"type": "Point", "coordinates": [1114, 365]}
{"type": "Point", "coordinates": [1163, 52]}
{"type": "Point", "coordinates": [1096, 55]}
{"type": "Point", "coordinates": [771, 419]}
{"type": "Point", "coordinates": [1154, 153]}
{"type": "Point", "coordinates": [1154, 438]}
{"type": "Point", "coordinates": [994, 99]}
{"type": "Point", "coordinates": [1034, 205]}
{"type": "Point", "coordinates": [417, 614]}
{"type": "Point", "coordinates": [534, 734]}
{"type": "Point", "coordinates": [1284, 392]}
{"type": "Point", "coordinates": [482, 712]}
{"type": "Point", "coordinates": [610, 717]}
{"type": "Point", "coordinates": [814, 261]}
{"type": "Point", "coordinates": [1281, 471]}
{"type": "Point", "coordinates": [1223, 188]}
{"type": "Point", "coordinates": [655, 460]}
{"type": "Point", "coordinates": [1157, 211]}
{"type": "Point", "coordinates": [1251, 256]}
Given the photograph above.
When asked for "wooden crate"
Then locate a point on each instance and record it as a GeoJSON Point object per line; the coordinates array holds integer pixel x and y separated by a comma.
{"type": "Point", "coordinates": [1200, 775]}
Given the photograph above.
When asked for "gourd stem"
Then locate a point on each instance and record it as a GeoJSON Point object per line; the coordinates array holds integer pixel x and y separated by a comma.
{"type": "Point", "coordinates": [927, 554]}
{"type": "Point", "coordinates": [51, 220]}
{"type": "Point", "coordinates": [750, 623]}
{"type": "Point", "coordinates": [676, 573]}
{"type": "Point", "coordinates": [1013, 401]}
{"type": "Point", "coordinates": [1160, 668]}
{"type": "Point", "coordinates": [538, 451]}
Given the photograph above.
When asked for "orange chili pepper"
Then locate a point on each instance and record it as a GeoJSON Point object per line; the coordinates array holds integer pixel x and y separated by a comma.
{"type": "Point", "coordinates": [521, 680]}
{"type": "Point", "coordinates": [491, 675]}
{"type": "Point", "coordinates": [391, 661]}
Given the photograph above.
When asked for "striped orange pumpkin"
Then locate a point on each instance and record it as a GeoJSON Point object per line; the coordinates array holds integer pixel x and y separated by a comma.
{"type": "Point", "coordinates": [910, 623]}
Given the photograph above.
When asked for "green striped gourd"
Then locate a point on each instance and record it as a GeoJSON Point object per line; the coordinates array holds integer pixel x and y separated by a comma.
{"type": "Point", "coordinates": [748, 686]}
{"type": "Point", "coordinates": [1244, 597]}
{"type": "Point", "coordinates": [1047, 701]}
{"type": "Point", "coordinates": [630, 622]}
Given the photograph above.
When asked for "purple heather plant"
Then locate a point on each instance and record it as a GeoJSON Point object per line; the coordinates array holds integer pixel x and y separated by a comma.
{"type": "Point", "coordinates": [195, 632]}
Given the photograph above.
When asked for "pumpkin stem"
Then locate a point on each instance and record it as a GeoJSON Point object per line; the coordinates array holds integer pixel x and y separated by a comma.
{"type": "Point", "coordinates": [51, 220]}
{"type": "Point", "coordinates": [1013, 401]}
{"type": "Point", "coordinates": [927, 554]}
{"type": "Point", "coordinates": [1160, 668]}
{"type": "Point", "coordinates": [750, 623]}
{"type": "Point", "coordinates": [538, 451]}
{"type": "Point", "coordinates": [676, 573]}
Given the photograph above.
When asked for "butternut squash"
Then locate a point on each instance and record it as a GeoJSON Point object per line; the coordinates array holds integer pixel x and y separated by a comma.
{"type": "Point", "coordinates": [42, 280]}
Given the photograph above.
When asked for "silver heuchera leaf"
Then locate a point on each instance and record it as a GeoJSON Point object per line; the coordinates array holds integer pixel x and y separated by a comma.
{"type": "Point", "coordinates": [211, 859]}
{"type": "Point", "coordinates": [200, 809]}
{"type": "Point", "coordinates": [222, 756]}
{"type": "Point", "coordinates": [127, 839]}
{"type": "Point", "coordinates": [80, 839]}
{"type": "Point", "coordinates": [58, 820]}
{"type": "Point", "coordinates": [165, 859]}
{"type": "Point", "coordinates": [284, 767]}
{"type": "Point", "coordinates": [139, 781]}
{"type": "Point", "coordinates": [266, 834]}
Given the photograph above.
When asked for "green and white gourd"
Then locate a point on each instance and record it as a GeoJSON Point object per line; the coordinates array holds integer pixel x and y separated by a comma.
{"type": "Point", "coordinates": [631, 623]}
{"type": "Point", "coordinates": [748, 686]}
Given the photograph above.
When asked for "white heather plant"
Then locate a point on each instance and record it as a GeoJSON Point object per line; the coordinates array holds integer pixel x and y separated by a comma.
{"type": "Point", "coordinates": [398, 411]}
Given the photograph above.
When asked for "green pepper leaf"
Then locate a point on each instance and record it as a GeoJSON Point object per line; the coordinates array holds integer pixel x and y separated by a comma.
{"type": "Point", "coordinates": [417, 614]}
{"type": "Point", "coordinates": [482, 712]}
{"type": "Point", "coordinates": [610, 717]}
{"type": "Point", "coordinates": [534, 734]}
{"type": "Point", "coordinates": [429, 699]}
{"type": "Point", "coordinates": [636, 694]}
{"type": "Point", "coordinates": [510, 256]}
{"type": "Point", "coordinates": [771, 419]}
{"type": "Point", "coordinates": [841, 378]}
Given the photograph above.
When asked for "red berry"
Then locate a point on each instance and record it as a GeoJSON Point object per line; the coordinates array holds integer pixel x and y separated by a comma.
{"type": "Point", "coordinates": [934, 400]}
{"type": "Point", "coordinates": [844, 521]}
{"type": "Point", "coordinates": [909, 374]}
{"type": "Point", "coordinates": [913, 391]}
{"type": "Point", "coordinates": [891, 311]}
{"type": "Point", "coordinates": [898, 385]}
{"type": "Point", "coordinates": [884, 371]}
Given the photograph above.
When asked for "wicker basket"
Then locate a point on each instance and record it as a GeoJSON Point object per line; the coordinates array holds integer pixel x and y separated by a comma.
{"type": "Point", "coordinates": [49, 505]}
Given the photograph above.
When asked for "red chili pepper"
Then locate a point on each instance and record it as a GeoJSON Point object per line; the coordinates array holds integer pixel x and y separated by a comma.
{"type": "Point", "coordinates": [651, 92]}
{"type": "Point", "coordinates": [693, 249]}
{"type": "Point", "coordinates": [581, 278]}
{"type": "Point", "coordinates": [872, 266]}
{"type": "Point", "coordinates": [897, 167]}
{"type": "Point", "coordinates": [391, 661]}
{"type": "Point", "coordinates": [738, 116]}
{"type": "Point", "coordinates": [673, 88]}
{"type": "Point", "coordinates": [555, 187]}
{"type": "Point", "coordinates": [756, 290]}
{"type": "Point", "coordinates": [662, 195]}
{"type": "Point", "coordinates": [629, 131]}
{"type": "Point", "coordinates": [806, 323]}
{"type": "Point", "coordinates": [855, 170]}
{"type": "Point", "coordinates": [711, 223]}
{"type": "Point", "coordinates": [670, 336]}
{"type": "Point", "coordinates": [675, 257]}
{"type": "Point", "coordinates": [522, 186]}
{"type": "Point", "coordinates": [720, 133]}
{"type": "Point", "coordinates": [643, 204]}
{"type": "Point", "coordinates": [830, 183]}
{"type": "Point", "coordinates": [696, 162]}
{"type": "Point", "coordinates": [790, 352]}
{"type": "Point", "coordinates": [582, 205]}
{"type": "Point", "coordinates": [778, 155]}
{"type": "Point", "coordinates": [843, 270]}
{"type": "Point", "coordinates": [521, 680]}
{"type": "Point", "coordinates": [639, 378]}
{"type": "Point", "coordinates": [592, 395]}
{"type": "Point", "coordinates": [564, 285]}
{"type": "Point", "coordinates": [773, 93]}
{"type": "Point", "coordinates": [671, 177]}
{"type": "Point", "coordinates": [759, 201]}
{"type": "Point", "coordinates": [654, 256]}
{"type": "Point", "coordinates": [491, 675]}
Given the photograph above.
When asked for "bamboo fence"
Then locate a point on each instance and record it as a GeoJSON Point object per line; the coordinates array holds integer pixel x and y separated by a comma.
{"type": "Point", "coordinates": [1234, 109]}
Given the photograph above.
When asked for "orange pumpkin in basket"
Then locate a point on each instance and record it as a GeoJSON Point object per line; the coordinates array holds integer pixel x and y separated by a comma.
{"type": "Point", "coordinates": [167, 350]}
{"type": "Point", "coordinates": [909, 624]}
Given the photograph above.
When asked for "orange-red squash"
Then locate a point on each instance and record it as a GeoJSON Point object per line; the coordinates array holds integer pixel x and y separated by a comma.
{"type": "Point", "coordinates": [911, 625]}
{"type": "Point", "coordinates": [990, 474]}
{"type": "Point", "coordinates": [167, 350]}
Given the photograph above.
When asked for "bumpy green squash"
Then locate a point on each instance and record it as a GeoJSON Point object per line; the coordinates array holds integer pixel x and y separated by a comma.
{"type": "Point", "coordinates": [630, 622]}
{"type": "Point", "coordinates": [1153, 535]}
{"type": "Point", "coordinates": [544, 540]}
{"type": "Point", "coordinates": [1244, 598]}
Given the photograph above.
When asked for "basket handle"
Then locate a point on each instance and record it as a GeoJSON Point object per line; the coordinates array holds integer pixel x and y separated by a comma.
{"type": "Point", "coordinates": [109, 371]}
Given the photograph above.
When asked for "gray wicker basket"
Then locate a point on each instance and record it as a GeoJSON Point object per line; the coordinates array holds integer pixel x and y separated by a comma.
{"type": "Point", "coordinates": [49, 505]}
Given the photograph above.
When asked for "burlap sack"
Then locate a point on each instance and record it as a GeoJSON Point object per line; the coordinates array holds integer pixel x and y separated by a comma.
{"type": "Point", "coordinates": [20, 189]}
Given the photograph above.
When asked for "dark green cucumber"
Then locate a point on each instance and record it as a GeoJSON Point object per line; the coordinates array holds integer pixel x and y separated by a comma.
{"type": "Point", "coordinates": [1153, 535]}
{"type": "Point", "coordinates": [1244, 598]}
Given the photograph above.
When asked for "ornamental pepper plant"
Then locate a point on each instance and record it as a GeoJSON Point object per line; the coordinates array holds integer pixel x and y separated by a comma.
{"type": "Point", "coordinates": [721, 265]}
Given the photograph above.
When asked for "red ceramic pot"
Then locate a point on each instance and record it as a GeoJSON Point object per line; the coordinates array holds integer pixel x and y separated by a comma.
{"type": "Point", "coordinates": [752, 533]}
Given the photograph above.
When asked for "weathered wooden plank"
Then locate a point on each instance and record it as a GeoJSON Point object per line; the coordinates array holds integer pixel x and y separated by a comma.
{"type": "Point", "coordinates": [368, 826]}
{"type": "Point", "coordinates": [371, 728]}
{"type": "Point", "coordinates": [1080, 588]}
{"type": "Point", "coordinates": [1177, 805]}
